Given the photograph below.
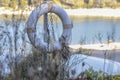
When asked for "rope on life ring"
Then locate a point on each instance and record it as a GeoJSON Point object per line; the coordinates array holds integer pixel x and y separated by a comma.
{"type": "Point", "coordinates": [32, 21]}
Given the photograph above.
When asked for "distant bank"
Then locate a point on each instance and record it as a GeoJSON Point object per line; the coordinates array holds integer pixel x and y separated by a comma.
{"type": "Point", "coordinates": [103, 46]}
{"type": "Point", "coordinates": [93, 12]}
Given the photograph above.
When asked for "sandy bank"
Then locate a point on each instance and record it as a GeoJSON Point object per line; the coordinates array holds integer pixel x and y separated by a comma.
{"type": "Point", "coordinates": [95, 12]}
{"type": "Point", "coordinates": [104, 46]}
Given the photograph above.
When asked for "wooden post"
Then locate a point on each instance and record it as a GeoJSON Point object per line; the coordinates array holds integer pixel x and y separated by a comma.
{"type": "Point", "coordinates": [46, 40]}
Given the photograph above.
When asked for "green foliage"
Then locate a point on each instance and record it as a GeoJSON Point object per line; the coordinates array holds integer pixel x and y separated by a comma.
{"type": "Point", "coordinates": [36, 2]}
{"type": "Point", "coordinates": [63, 3]}
{"type": "Point", "coordinates": [22, 3]}
{"type": "Point", "coordinates": [90, 4]}
{"type": "Point", "coordinates": [57, 2]}
{"type": "Point", "coordinates": [4, 3]}
{"type": "Point", "coordinates": [13, 4]}
{"type": "Point", "coordinates": [118, 5]}
{"type": "Point", "coordinates": [90, 74]}
{"type": "Point", "coordinates": [80, 4]}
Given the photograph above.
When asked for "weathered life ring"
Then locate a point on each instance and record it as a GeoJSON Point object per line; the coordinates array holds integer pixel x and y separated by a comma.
{"type": "Point", "coordinates": [36, 14]}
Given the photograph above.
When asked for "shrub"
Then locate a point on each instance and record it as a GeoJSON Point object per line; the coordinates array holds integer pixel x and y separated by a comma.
{"type": "Point", "coordinates": [91, 74]}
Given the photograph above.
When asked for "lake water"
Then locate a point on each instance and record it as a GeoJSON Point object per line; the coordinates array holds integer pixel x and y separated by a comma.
{"type": "Point", "coordinates": [89, 30]}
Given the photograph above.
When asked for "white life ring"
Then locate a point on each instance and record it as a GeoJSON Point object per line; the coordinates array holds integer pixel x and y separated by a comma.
{"type": "Point", "coordinates": [36, 14]}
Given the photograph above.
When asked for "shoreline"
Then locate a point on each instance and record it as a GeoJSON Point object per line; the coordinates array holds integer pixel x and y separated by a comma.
{"type": "Point", "coordinates": [93, 12]}
{"type": "Point", "coordinates": [99, 47]}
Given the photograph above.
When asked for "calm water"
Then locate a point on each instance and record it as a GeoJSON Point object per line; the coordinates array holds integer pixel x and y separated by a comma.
{"type": "Point", "coordinates": [87, 30]}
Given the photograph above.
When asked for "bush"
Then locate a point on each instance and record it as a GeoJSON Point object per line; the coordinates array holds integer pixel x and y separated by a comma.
{"type": "Point", "coordinates": [90, 74]}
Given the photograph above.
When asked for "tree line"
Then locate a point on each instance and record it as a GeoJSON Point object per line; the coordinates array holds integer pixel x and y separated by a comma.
{"type": "Point", "coordinates": [18, 4]}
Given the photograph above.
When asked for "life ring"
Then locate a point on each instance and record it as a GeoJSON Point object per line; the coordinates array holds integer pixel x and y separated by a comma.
{"type": "Point", "coordinates": [32, 21]}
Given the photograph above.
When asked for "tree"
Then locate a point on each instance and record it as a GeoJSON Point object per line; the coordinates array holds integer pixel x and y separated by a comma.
{"type": "Point", "coordinates": [37, 2]}
{"type": "Point", "coordinates": [22, 3]}
{"type": "Point", "coordinates": [91, 4]}
{"type": "Point", "coordinates": [79, 3]}
{"type": "Point", "coordinates": [29, 2]}
{"type": "Point", "coordinates": [4, 3]}
{"type": "Point", "coordinates": [86, 1]}
{"type": "Point", "coordinates": [13, 4]}
{"type": "Point", "coordinates": [97, 3]}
